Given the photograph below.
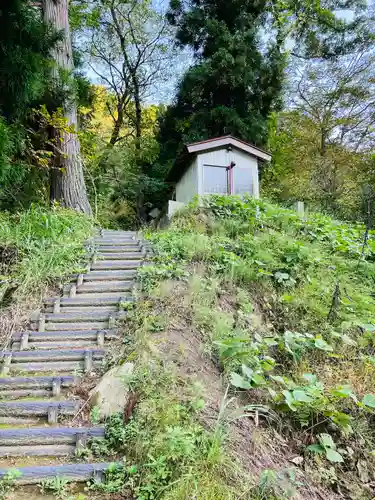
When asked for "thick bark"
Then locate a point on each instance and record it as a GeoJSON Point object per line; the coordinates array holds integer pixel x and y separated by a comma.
{"type": "Point", "coordinates": [67, 180]}
{"type": "Point", "coordinates": [138, 111]}
{"type": "Point", "coordinates": [117, 125]}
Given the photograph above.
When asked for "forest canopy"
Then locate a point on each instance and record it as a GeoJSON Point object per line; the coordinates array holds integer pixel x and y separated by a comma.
{"type": "Point", "coordinates": [97, 100]}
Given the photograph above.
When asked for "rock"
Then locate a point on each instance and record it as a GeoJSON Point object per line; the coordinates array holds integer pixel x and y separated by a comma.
{"type": "Point", "coordinates": [112, 392]}
{"type": "Point", "coordinates": [296, 460]}
{"type": "Point", "coordinates": [363, 472]}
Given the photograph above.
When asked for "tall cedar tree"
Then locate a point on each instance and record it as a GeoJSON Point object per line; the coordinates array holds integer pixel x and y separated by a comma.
{"type": "Point", "coordinates": [235, 82]}
{"type": "Point", "coordinates": [67, 179]}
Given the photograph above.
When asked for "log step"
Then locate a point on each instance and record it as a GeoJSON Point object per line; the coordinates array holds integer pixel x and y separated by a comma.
{"type": "Point", "coordinates": [97, 287]}
{"type": "Point", "coordinates": [25, 393]}
{"type": "Point", "coordinates": [73, 472]}
{"type": "Point", "coordinates": [82, 325]}
{"type": "Point", "coordinates": [69, 344]}
{"type": "Point", "coordinates": [119, 275]}
{"type": "Point", "coordinates": [110, 241]}
{"type": "Point", "coordinates": [118, 248]}
{"type": "Point", "coordinates": [54, 367]}
{"type": "Point", "coordinates": [81, 315]}
{"type": "Point", "coordinates": [119, 256]}
{"type": "Point", "coordinates": [86, 309]}
{"type": "Point", "coordinates": [116, 264]}
{"type": "Point", "coordinates": [38, 408]}
{"type": "Point", "coordinates": [65, 335]}
{"type": "Point", "coordinates": [36, 382]}
{"type": "Point", "coordinates": [93, 300]}
{"type": "Point", "coordinates": [47, 450]}
{"type": "Point", "coordinates": [48, 435]}
{"type": "Point", "coordinates": [40, 355]}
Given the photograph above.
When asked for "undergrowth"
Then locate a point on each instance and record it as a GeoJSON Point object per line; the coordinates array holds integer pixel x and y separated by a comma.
{"type": "Point", "coordinates": [287, 309]}
{"type": "Point", "coordinates": [39, 246]}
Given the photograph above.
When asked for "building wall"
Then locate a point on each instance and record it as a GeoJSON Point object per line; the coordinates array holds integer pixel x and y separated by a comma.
{"type": "Point", "coordinates": [187, 186]}
{"type": "Point", "coordinates": [192, 182]}
{"type": "Point", "coordinates": [222, 157]}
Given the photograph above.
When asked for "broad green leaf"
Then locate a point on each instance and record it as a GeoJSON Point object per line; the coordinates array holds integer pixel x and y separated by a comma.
{"type": "Point", "coordinates": [333, 455]}
{"type": "Point", "coordinates": [326, 440]}
{"type": "Point", "coordinates": [348, 341]}
{"type": "Point", "coordinates": [289, 400]}
{"type": "Point", "coordinates": [310, 378]}
{"type": "Point", "coordinates": [248, 372]}
{"type": "Point", "coordinates": [238, 381]}
{"type": "Point", "coordinates": [258, 379]}
{"type": "Point", "coordinates": [369, 400]}
{"type": "Point", "coordinates": [279, 379]}
{"type": "Point", "coordinates": [322, 344]}
{"type": "Point", "coordinates": [300, 395]}
{"type": "Point", "coordinates": [342, 391]}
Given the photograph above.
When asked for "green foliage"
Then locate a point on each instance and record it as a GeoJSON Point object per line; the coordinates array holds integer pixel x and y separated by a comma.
{"type": "Point", "coordinates": [57, 486]}
{"type": "Point", "coordinates": [47, 244]}
{"type": "Point", "coordinates": [7, 482]}
{"type": "Point", "coordinates": [326, 446]}
{"type": "Point", "coordinates": [25, 44]}
{"type": "Point", "coordinates": [234, 83]}
{"type": "Point", "coordinates": [162, 442]}
{"type": "Point", "coordinates": [315, 373]}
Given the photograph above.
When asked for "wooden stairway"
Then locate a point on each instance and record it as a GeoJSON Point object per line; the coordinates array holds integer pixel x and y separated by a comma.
{"type": "Point", "coordinates": [65, 342]}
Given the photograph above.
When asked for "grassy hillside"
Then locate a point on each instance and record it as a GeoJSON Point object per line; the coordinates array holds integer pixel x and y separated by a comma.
{"type": "Point", "coordinates": [284, 309]}
{"type": "Point", "coordinates": [38, 247]}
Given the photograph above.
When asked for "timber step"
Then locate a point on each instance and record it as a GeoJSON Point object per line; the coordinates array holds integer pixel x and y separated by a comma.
{"type": "Point", "coordinates": [78, 472]}
{"type": "Point", "coordinates": [64, 335]}
{"type": "Point", "coordinates": [118, 248]}
{"type": "Point", "coordinates": [90, 301]}
{"type": "Point", "coordinates": [87, 308]}
{"type": "Point", "coordinates": [64, 355]}
{"type": "Point", "coordinates": [68, 344]}
{"type": "Point", "coordinates": [45, 450]}
{"type": "Point", "coordinates": [116, 264]}
{"type": "Point", "coordinates": [49, 435]}
{"type": "Point", "coordinates": [39, 408]}
{"type": "Point", "coordinates": [80, 315]}
{"type": "Point", "coordinates": [80, 366]}
{"type": "Point", "coordinates": [106, 275]}
{"type": "Point", "coordinates": [113, 241]}
{"type": "Point", "coordinates": [97, 287]}
{"type": "Point", "coordinates": [37, 382]}
{"type": "Point", "coordinates": [102, 255]}
{"type": "Point", "coordinates": [82, 325]}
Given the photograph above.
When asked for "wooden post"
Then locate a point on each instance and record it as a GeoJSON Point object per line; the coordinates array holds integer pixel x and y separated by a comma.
{"type": "Point", "coordinates": [56, 387]}
{"type": "Point", "coordinates": [52, 415]}
{"type": "Point", "coordinates": [24, 341]}
{"type": "Point", "coordinates": [300, 208]}
{"type": "Point", "coordinates": [56, 306]}
{"type": "Point", "coordinates": [42, 323]}
{"type": "Point", "coordinates": [100, 339]}
{"type": "Point", "coordinates": [81, 440]}
{"type": "Point", "coordinates": [73, 291]}
{"type": "Point", "coordinates": [6, 363]}
{"type": "Point", "coordinates": [88, 361]}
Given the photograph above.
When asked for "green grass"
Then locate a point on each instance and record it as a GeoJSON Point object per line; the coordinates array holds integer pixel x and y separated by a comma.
{"type": "Point", "coordinates": [246, 259]}
{"type": "Point", "coordinates": [39, 247]}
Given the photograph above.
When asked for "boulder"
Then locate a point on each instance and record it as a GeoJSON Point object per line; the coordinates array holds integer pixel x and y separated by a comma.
{"type": "Point", "coordinates": [112, 392]}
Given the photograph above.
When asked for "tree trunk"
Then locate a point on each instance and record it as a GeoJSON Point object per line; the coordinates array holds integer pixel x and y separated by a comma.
{"type": "Point", "coordinates": [138, 112]}
{"type": "Point", "coordinates": [67, 180]}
